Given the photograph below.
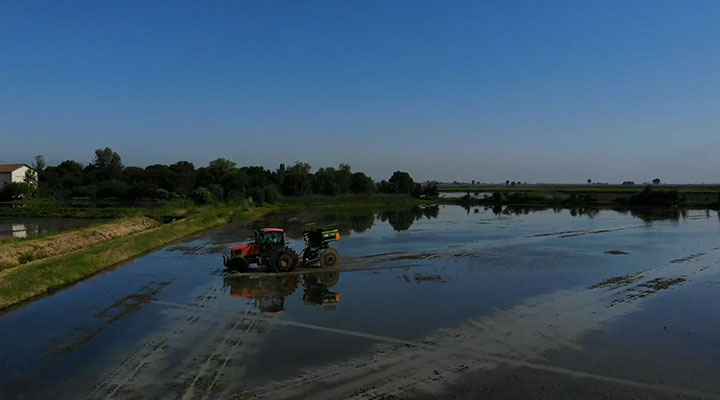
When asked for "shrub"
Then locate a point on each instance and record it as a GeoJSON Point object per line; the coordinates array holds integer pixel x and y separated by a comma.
{"type": "Point", "coordinates": [272, 194]}
{"type": "Point", "coordinates": [202, 196]}
{"type": "Point", "coordinates": [114, 188]}
{"type": "Point", "coordinates": [653, 197]}
{"type": "Point", "coordinates": [27, 257]}
{"type": "Point", "coordinates": [16, 190]}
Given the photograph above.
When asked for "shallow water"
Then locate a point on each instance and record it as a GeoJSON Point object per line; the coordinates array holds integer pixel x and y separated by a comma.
{"type": "Point", "coordinates": [424, 299]}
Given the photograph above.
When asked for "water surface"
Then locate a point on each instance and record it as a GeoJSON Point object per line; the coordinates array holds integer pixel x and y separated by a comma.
{"type": "Point", "coordinates": [426, 300]}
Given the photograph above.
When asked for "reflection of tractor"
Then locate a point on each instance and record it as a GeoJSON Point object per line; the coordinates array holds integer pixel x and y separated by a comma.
{"type": "Point", "coordinates": [316, 289]}
{"type": "Point", "coordinates": [269, 292]}
{"type": "Point", "coordinates": [270, 251]}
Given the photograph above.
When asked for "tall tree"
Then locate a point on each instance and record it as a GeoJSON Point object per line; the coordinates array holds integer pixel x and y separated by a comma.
{"type": "Point", "coordinates": [107, 165]}
{"type": "Point", "coordinates": [39, 164]}
{"type": "Point", "coordinates": [296, 181]}
{"type": "Point", "coordinates": [402, 182]}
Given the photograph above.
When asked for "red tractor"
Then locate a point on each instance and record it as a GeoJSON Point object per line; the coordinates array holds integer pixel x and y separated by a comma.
{"type": "Point", "coordinates": [270, 251]}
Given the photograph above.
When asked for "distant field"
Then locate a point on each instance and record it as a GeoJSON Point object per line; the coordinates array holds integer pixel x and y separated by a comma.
{"type": "Point", "coordinates": [698, 189]}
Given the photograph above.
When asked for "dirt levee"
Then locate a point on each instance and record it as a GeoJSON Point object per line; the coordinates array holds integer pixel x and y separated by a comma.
{"type": "Point", "coordinates": [15, 253]}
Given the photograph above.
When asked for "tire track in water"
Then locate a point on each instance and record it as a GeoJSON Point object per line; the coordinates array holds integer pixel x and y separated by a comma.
{"type": "Point", "coordinates": [482, 343]}
{"type": "Point", "coordinates": [514, 337]}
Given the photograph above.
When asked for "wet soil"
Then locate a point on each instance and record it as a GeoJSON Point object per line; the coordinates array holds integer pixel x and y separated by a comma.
{"type": "Point", "coordinates": [616, 252]}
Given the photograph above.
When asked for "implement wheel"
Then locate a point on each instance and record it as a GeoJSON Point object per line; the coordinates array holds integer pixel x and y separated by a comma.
{"type": "Point", "coordinates": [329, 279]}
{"type": "Point", "coordinates": [285, 261]}
{"type": "Point", "coordinates": [329, 257]}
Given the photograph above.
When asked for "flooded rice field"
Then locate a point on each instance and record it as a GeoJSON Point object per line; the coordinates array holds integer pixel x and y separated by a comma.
{"type": "Point", "coordinates": [20, 228]}
{"type": "Point", "coordinates": [433, 302]}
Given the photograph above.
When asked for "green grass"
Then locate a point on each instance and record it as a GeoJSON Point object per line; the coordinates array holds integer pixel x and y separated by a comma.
{"type": "Point", "coordinates": [48, 208]}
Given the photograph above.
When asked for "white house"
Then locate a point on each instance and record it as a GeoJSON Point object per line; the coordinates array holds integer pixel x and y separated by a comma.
{"type": "Point", "coordinates": [13, 173]}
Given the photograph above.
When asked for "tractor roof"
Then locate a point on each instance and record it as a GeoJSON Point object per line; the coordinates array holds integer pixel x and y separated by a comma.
{"type": "Point", "coordinates": [271, 230]}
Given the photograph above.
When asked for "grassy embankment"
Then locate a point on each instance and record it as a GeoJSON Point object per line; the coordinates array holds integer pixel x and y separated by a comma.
{"type": "Point", "coordinates": [34, 278]}
{"type": "Point", "coordinates": [49, 208]}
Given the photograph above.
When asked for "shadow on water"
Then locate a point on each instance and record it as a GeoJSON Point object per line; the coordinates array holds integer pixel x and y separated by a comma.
{"type": "Point", "coordinates": [269, 292]}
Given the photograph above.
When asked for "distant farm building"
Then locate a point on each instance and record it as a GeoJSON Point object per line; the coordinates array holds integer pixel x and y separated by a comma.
{"type": "Point", "coordinates": [10, 173]}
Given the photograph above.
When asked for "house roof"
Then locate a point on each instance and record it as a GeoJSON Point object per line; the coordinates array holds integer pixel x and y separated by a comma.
{"type": "Point", "coordinates": [7, 168]}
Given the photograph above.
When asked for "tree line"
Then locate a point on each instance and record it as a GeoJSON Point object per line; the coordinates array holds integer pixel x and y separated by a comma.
{"type": "Point", "coordinates": [221, 180]}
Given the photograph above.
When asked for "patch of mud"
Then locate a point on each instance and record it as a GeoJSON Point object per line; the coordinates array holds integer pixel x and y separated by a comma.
{"type": "Point", "coordinates": [476, 254]}
{"type": "Point", "coordinates": [556, 233]}
{"type": "Point", "coordinates": [528, 383]}
{"type": "Point", "coordinates": [617, 281]}
{"type": "Point", "coordinates": [198, 249]}
{"type": "Point", "coordinates": [419, 277]}
{"type": "Point", "coordinates": [128, 305]}
{"type": "Point", "coordinates": [15, 253]}
{"type": "Point", "coordinates": [421, 256]}
{"type": "Point", "coordinates": [569, 235]}
{"type": "Point", "coordinates": [132, 303]}
{"type": "Point", "coordinates": [616, 252]}
{"type": "Point", "coordinates": [392, 253]}
{"type": "Point", "coordinates": [581, 232]}
{"type": "Point", "coordinates": [207, 353]}
{"type": "Point", "coordinates": [648, 288]}
{"type": "Point", "coordinates": [688, 258]}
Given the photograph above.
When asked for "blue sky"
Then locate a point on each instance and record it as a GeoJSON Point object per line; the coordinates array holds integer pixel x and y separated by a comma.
{"type": "Point", "coordinates": [538, 91]}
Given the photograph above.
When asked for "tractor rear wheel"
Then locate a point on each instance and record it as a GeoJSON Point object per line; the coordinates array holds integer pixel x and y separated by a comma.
{"type": "Point", "coordinates": [285, 260]}
{"type": "Point", "coordinates": [329, 257]}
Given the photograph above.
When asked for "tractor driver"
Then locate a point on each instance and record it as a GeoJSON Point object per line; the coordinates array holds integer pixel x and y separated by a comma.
{"type": "Point", "coordinates": [269, 238]}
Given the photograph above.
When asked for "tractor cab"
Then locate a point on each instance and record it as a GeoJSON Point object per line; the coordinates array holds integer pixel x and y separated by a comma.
{"type": "Point", "coordinates": [270, 236]}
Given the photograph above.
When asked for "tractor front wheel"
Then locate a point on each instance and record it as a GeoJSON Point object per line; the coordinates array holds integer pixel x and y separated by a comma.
{"type": "Point", "coordinates": [329, 257]}
{"type": "Point", "coordinates": [238, 264]}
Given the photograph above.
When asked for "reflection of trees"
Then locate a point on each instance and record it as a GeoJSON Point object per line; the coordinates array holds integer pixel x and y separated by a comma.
{"type": "Point", "coordinates": [362, 223]}
{"type": "Point", "coordinates": [346, 221]}
{"type": "Point", "coordinates": [589, 212]}
{"type": "Point", "coordinates": [649, 214]}
{"type": "Point", "coordinates": [402, 220]}
{"type": "Point", "coordinates": [584, 211]}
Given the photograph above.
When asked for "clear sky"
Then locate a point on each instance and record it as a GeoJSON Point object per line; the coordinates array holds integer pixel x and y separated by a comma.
{"type": "Point", "coordinates": [537, 91]}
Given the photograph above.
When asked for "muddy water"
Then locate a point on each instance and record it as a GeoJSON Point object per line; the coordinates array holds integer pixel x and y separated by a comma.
{"type": "Point", "coordinates": [440, 302]}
